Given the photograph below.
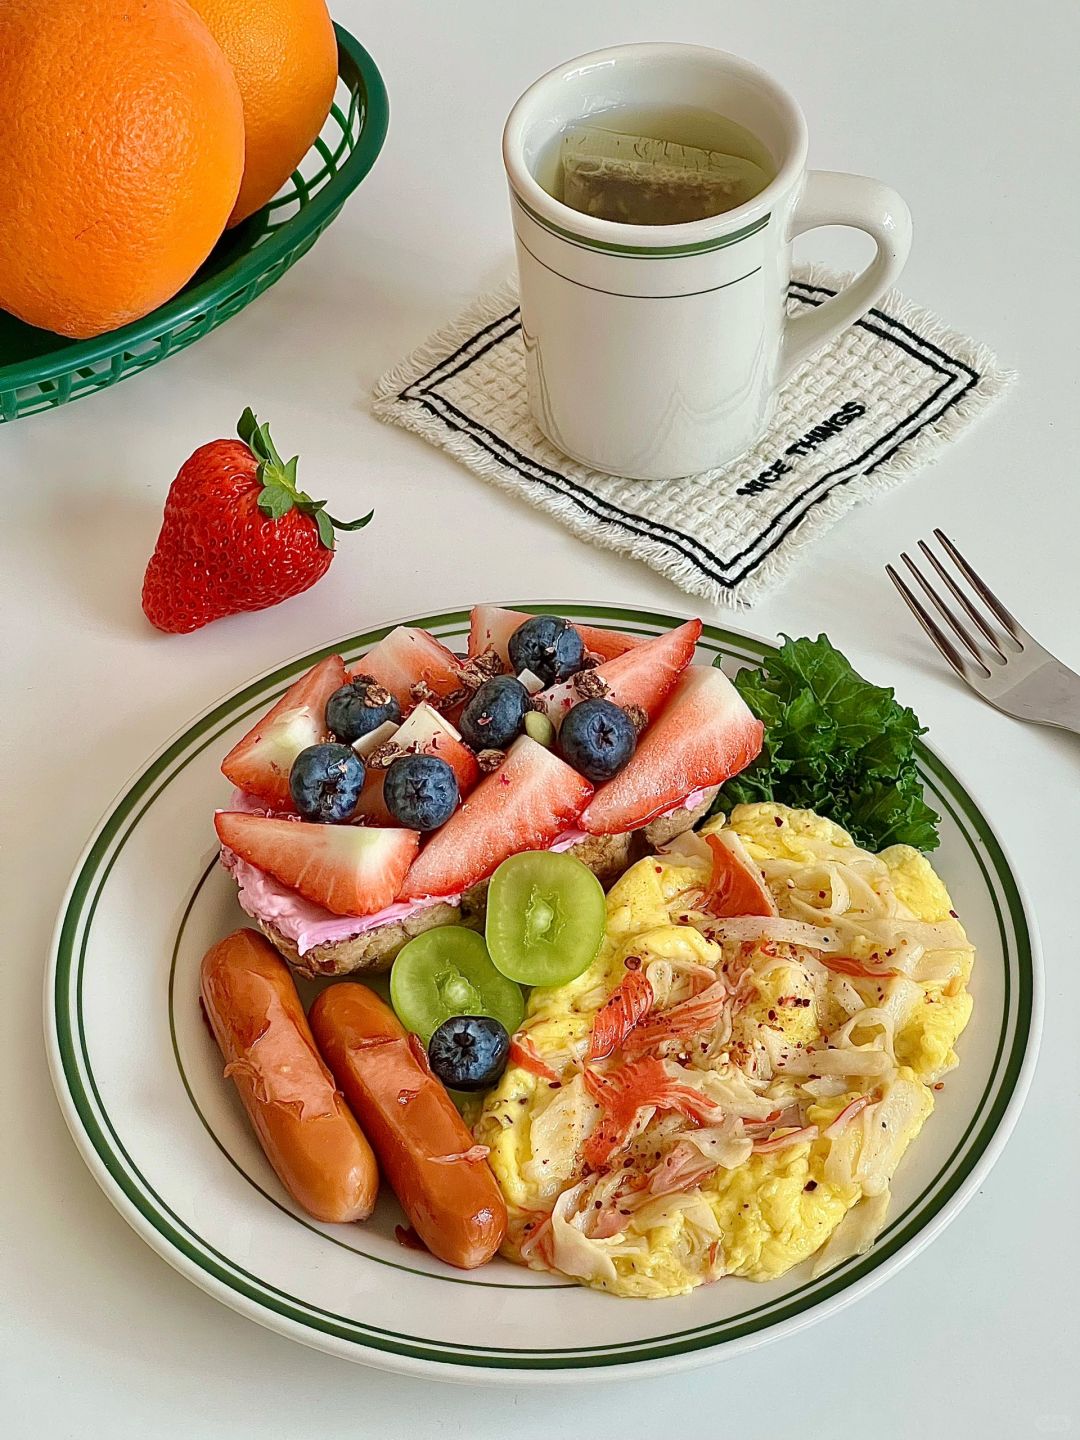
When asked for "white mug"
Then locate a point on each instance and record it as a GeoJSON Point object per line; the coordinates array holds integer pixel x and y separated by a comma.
{"type": "Point", "coordinates": [654, 351]}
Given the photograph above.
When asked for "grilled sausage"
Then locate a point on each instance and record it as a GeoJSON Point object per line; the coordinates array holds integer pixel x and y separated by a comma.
{"type": "Point", "coordinates": [308, 1132]}
{"type": "Point", "coordinates": [424, 1147]}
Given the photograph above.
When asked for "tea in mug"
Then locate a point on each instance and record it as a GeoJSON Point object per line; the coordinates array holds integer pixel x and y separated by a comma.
{"type": "Point", "coordinates": [656, 166]}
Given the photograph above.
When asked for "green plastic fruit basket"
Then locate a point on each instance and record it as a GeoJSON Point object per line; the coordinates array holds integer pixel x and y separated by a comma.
{"type": "Point", "coordinates": [39, 369]}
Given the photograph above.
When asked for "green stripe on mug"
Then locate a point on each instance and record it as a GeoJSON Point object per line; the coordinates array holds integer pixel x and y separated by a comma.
{"type": "Point", "coordinates": [645, 252]}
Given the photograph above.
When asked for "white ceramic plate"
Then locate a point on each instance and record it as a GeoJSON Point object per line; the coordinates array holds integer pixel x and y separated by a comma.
{"type": "Point", "coordinates": [139, 1081]}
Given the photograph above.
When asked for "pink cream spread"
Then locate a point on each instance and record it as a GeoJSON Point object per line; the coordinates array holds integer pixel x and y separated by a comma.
{"type": "Point", "coordinates": [309, 925]}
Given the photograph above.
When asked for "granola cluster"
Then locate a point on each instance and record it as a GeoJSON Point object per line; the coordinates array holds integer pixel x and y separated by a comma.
{"type": "Point", "coordinates": [590, 686]}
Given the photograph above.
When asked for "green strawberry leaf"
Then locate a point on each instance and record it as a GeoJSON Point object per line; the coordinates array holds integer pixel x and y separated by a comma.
{"type": "Point", "coordinates": [326, 529]}
{"type": "Point", "coordinates": [350, 524]}
{"type": "Point", "coordinates": [280, 492]}
{"type": "Point", "coordinates": [275, 501]}
{"type": "Point", "coordinates": [247, 427]}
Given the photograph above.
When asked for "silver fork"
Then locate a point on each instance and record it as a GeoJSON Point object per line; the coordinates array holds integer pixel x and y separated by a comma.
{"type": "Point", "coordinates": [1004, 665]}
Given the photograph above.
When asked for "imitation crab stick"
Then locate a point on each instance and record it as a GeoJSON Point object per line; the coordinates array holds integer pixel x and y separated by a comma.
{"type": "Point", "coordinates": [630, 1088]}
{"type": "Point", "coordinates": [736, 884]}
{"type": "Point", "coordinates": [630, 1002]}
{"type": "Point", "coordinates": [691, 1017]}
{"type": "Point", "coordinates": [525, 1054]}
{"type": "Point", "coordinates": [845, 965]}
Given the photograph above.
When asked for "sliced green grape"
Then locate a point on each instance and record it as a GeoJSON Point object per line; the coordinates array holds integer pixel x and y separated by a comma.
{"type": "Point", "coordinates": [540, 728]}
{"type": "Point", "coordinates": [546, 915]}
{"type": "Point", "coordinates": [447, 971]}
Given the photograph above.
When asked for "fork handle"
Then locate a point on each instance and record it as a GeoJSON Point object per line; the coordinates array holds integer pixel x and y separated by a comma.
{"type": "Point", "coordinates": [1058, 702]}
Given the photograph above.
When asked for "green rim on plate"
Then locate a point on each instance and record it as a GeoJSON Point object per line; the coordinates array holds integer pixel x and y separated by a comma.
{"type": "Point", "coordinates": [178, 1242]}
{"type": "Point", "coordinates": [39, 370]}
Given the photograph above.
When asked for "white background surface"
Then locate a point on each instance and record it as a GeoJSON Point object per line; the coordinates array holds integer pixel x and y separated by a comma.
{"type": "Point", "coordinates": [969, 110]}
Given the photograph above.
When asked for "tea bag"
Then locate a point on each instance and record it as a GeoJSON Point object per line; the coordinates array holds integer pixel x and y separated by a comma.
{"type": "Point", "coordinates": [639, 181]}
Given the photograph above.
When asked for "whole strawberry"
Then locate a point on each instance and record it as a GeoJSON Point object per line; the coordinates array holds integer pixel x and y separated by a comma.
{"type": "Point", "coordinates": [237, 534]}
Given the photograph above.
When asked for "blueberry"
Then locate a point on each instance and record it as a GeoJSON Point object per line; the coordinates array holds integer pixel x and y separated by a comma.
{"type": "Point", "coordinates": [468, 1052]}
{"type": "Point", "coordinates": [495, 714]}
{"type": "Point", "coordinates": [548, 646]}
{"type": "Point", "coordinates": [421, 791]}
{"type": "Point", "coordinates": [597, 738]}
{"type": "Point", "coordinates": [325, 782]}
{"type": "Point", "coordinates": [358, 708]}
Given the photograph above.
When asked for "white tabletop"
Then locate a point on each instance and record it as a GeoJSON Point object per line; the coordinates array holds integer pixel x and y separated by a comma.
{"type": "Point", "coordinates": [969, 111]}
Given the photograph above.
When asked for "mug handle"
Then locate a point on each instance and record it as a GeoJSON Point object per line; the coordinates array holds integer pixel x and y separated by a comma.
{"type": "Point", "coordinates": [831, 198]}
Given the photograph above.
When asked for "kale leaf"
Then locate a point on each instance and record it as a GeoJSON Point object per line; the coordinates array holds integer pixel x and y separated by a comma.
{"type": "Point", "coordinates": [835, 744]}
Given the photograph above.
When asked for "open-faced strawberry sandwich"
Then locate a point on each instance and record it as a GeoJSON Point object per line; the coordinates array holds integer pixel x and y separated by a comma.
{"type": "Point", "coordinates": [375, 802]}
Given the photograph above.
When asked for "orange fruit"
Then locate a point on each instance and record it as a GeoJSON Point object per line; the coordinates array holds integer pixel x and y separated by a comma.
{"type": "Point", "coordinates": [122, 154]}
{"type": "Point", "coordinates": [284, 55]}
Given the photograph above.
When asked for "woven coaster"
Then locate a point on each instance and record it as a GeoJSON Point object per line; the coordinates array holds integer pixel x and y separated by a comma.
{"type": "Point", "coordinates": [878, 403]}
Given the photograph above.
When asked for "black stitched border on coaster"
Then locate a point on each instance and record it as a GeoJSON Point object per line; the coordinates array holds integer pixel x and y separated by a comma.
{"type": "Point", "coordinates": [958, 379]}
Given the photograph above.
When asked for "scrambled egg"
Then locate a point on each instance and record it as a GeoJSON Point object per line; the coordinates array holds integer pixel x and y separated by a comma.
{"type": "Point", "coordinates": [759, 1211]}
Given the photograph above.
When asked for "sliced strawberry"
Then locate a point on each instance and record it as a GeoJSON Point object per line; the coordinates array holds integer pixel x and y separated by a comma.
{"type": "Point", "coordinates": [736, 886]}
{"type": "Point", "coordinates": [703, 736]}
{"type": "Point", "coordinates": [348, 869]}
{"type": "Point", "coordinates": [608, 643]}
{"type": "Point", "coordinates": [259, 764]}
{"type": "Point", "coordinates": [425, 732]}
{"type": "Point", "coordinates": [643, 676]}
{"type": "Point", "coordinates": [525, 805]}
{"type": "Point", "coordinates": [371, 807]}
{"type": "Point", "coordinates": [408, 658]}
{"type": "Point", "coordinates": [491, 627]}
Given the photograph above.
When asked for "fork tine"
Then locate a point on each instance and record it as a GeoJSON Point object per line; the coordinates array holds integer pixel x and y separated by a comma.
{"type": "Point", "coordinates": [946, 614]}
{"type": "Point", "coordinates": [1011, 624]}
{"type": "Point", "coordinates": [937, 635]}
{"type": "Point", "coordinates": [972, 613]}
